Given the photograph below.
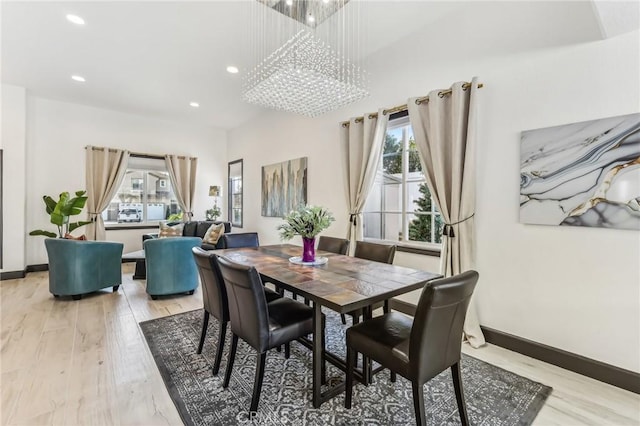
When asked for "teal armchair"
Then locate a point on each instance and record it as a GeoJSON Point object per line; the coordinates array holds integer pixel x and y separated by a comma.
{"type": "Point", "coordinates": [80, 267]}
{"type": "Point", "coordinates": [170, 265]}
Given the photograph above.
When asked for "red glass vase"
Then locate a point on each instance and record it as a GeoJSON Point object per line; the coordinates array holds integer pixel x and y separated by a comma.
{"type": "Point", "coordinates": [308, 249]}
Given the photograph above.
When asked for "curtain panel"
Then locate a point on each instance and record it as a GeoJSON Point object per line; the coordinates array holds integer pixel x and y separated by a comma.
{"type": "Point", "coordinates": [361, 143]}
{"type": "Point", "coordinates": [445, 133]}
{"type": "Point", "coordinates": [182, 172]}
{"type": "Point", "coordinates": [105, 170]}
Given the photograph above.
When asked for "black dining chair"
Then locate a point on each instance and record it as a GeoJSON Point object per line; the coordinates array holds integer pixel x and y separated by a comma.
{"type": "Point", "coordinates": [383, 253]}
{"type": "Point", "coordinates": [333, 245]}
{"type": "Point", "coordinates": [214, 298]}
{"type": "Point", "coordinates": [240, 240]}
{"type": "Point", "coordinates": [420, 349]}
{"type": "Point", "coordinates": [263, 326]}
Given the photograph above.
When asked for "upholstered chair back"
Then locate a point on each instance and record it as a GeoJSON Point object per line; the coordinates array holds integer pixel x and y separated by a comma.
{"type": "Point", "coordinates": [240, 240]}
{"type": "Point", "coordinates": [247, 303]}
{"type": "Point", "coordinates": [384, 253]}
{"type": "Point", "coordinates": [436, 334]}
{"type": "Point", "coordinates": [170, 265]}
{"type": "Point", "coordinates": [333, 245]}
{"type": "Point", "coordinates": [214, 293]}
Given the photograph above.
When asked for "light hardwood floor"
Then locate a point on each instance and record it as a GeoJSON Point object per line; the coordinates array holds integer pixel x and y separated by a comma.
{"type": "Point", "coordinates": [86, 362]}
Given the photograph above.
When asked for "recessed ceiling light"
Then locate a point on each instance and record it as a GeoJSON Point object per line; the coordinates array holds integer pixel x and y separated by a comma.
{"type": "Point", "coordinates": [325, 1]}
{"type": "Point", "coordinates": [75, 19]}
{"type": "Point", "coordinates": [233, 70]}
{"type": "Point", "coordinates": [310, 18]}
{"type": "Point", "coordinates": [78, 78]}
{"type": "Point", "coordinates": [194, 104]}
{"type": "Point", "coordinates": [289, 2]}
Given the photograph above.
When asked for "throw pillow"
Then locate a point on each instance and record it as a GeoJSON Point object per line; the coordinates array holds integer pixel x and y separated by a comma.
{"type": "Point", "coordinates": [213, 234]}
{"type": "Point", "coordinates": [68, 236]}
{"type": "Point", "coordinates": [167, 231]}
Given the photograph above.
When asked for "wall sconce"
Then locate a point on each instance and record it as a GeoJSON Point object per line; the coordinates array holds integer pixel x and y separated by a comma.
{"type": "Point", "coordinates": [215, 191]}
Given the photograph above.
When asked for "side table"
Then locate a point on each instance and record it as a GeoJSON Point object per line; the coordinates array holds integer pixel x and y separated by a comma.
{"type": "Point", "coordinates": [140, 272]}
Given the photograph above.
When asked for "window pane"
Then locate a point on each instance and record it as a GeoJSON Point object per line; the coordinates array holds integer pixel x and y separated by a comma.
{"type": "Point", "coordinates": [425, 227]}
{"type": "Point", "coordinates": [161, 201]}
{"type": "Point", "coordinates": [414, 156]}
{"type": "Point", "coordinates": [145, 196]}
{"type": "Point", "coordinates": [419, 197]}
{"type": "Point", "coordinates": [373, 225]}
{"type": "Point", "coordinates": [234, 207]}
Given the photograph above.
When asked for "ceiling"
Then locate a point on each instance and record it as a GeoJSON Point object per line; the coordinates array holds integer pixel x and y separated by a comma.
{"type": "Point", "coordinates": [154, 58]}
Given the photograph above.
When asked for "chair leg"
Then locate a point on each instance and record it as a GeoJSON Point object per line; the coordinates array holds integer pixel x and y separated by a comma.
{"type": "Point", "coordinates": [457, 386]}
{"type": "Point", "coordinates": [287, 350]}
{"type": "Point", "coordinates": [351, 361]}
{"type": "Point", "coordinates": [393, 376]}
{"type": "Point", "coordinates": [257, 384]}
{"type": "Point", "coordinates": [232, 356]}
{"type": "Point", "coordinates": [385, 307]}
{"type": "Point", "coordinates": [418, 404]}
{"type": "Point", "coordinates": [221, 338]}
{"type": "Point", "coordinates": [343, 318]}
{"type": "Point", "coordinates": [203, 333]}
{"type": "Point", "coordinates": [115, 288]}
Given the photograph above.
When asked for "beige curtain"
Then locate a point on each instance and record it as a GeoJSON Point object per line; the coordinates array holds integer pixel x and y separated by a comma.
{"type": "Point", "coordinates": [445, 133]}
{"type": "Point", "coordinates": [182, 172]}
{"type": "Point", "coordinates": [105, 170]}
{"type": "Point", "coordinates": [362, 142]}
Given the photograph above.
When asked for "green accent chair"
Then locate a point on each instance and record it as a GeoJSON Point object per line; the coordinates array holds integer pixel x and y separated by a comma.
{"type": "Point", "coordinates": [171, 268]}
{"type": "Point", "coordinates": [80, 267]}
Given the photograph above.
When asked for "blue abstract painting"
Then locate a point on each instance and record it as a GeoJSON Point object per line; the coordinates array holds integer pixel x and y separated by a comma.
{"type": "Point", "coordinates": [582, 174]}
{"type": "Point", "coordinates": [284, 187]}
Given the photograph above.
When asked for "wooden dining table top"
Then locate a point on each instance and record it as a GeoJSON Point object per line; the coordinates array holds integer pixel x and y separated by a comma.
{"type": "Point", "coordinates": [343, 284]}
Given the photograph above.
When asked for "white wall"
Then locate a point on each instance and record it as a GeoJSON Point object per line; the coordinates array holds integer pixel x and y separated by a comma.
{"type": "Point", "coordinates": [13, 143]}
{"type": "Point", "coordinates": [57, 133]}
{"type": "Point", "coordinates": [575, 289]}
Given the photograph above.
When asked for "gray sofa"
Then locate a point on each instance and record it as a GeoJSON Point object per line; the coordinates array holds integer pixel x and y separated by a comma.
{"type": "Point", "coordinates": [196, 229]}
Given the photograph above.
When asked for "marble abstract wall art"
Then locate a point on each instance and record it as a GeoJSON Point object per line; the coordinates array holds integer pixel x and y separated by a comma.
{"type": "Point", "coordinates": [284, 187]}
{"type": "Point", "coordinates": [582, 174]}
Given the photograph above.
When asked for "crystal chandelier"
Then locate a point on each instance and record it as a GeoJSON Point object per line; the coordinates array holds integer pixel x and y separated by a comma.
{"type": "Point", "coordinates": [306, 74]}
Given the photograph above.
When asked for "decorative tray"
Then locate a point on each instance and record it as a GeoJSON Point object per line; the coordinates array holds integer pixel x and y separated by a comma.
{"type": "Point", "coordinates": [319, 261]}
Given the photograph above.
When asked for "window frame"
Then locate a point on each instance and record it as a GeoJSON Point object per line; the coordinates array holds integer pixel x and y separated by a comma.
{"type": "Point", "coordinates": [113, 226]}
{"type": "Point", "coordinates": [231, 193]}
{"type": "Point", "coordinates": [401, 120]}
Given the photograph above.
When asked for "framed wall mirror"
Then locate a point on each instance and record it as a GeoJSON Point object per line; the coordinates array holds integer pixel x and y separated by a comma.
{"type": "Point", "coordinates": [235, 202]}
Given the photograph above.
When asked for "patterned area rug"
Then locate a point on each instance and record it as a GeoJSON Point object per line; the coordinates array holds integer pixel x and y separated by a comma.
{"type": "Point", "coordinates": [494, 396]}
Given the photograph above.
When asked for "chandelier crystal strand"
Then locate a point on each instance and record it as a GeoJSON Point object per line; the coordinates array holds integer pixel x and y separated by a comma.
{"type": "Point", "coordinates": [306, 74]}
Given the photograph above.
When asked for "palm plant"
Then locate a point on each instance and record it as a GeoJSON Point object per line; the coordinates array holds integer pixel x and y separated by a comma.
{"type": "Point", "coordinates": [60, 211]}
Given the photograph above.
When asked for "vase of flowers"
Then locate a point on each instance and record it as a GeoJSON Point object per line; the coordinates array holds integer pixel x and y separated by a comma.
{"type": "Point", "coordinates": [306, 221]}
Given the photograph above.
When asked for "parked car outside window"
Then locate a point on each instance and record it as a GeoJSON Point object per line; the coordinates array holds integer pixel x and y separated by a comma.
{"type": "Point", "coordinates": [129, 215]}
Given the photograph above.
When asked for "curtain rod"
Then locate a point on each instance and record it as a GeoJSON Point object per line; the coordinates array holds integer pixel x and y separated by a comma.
{"type": "Point", "coordinates": [404, 107]}
{"type": "Point", "coordinates": [139, 154]}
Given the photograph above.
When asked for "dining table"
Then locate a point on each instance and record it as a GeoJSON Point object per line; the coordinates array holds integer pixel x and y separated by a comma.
{"type": "Point", "coordinates": [343, 284]}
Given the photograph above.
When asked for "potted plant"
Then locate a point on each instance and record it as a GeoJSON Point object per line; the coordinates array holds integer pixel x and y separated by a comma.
{"type": "Point", "coordinates": [306, 221]}
{"type": "Point", "coordinates": [213, 213]}
{"type": "Point", "coordinates": [60, 211]}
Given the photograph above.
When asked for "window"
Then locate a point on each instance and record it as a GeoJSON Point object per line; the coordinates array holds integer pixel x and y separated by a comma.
{"type": "Point", "coordinates": [400, 207]}
{"type": "Point", "coordinates": [235, 193]}
{"type": "Point", "coordinates": [145, 196]}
